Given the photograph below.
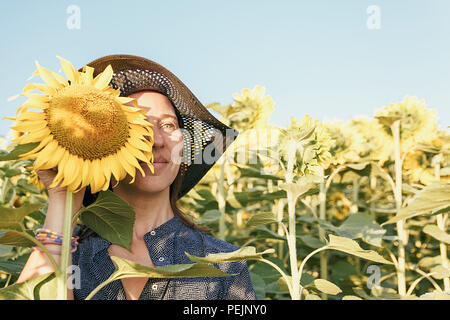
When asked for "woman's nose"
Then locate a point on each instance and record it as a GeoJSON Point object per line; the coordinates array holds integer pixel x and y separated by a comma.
{"type": "Point", "coordinates": [159, 139]}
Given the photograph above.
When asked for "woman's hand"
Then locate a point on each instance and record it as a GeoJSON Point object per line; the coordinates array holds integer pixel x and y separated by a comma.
{"type": "Point", "coordinates": [47, 176]}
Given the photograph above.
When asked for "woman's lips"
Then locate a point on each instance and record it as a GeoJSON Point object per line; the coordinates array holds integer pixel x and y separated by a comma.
{"type": "Point", "coordinates": [156, 165]}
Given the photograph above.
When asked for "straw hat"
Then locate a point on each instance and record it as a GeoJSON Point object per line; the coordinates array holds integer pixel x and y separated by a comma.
{"type": "Point", "coordinates": [205, 138]}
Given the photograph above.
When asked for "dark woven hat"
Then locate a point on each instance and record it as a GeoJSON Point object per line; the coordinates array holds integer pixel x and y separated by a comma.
{"type": "Point", "coordinates": [205, 138]}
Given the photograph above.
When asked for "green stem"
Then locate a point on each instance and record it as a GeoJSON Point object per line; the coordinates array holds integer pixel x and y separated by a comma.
{"type": "Point", "coordinates": [402, 235]}
{"type": "Point", "coordinates": [441, 225]}
{"type": "Point", "coordinates": [291, 236]}
{"type": "Point", "coordinates": [323, 254]}
{"type": "Point", "coordinates": [221, 199]}
{"type": "Point", "coordinates": [291, 241]}
{"type": "Point", "coordinates": [414, 284]}
{"type": "Point", "coordinates": [66, 246]}
{"type": "Point", "coordinates": [427, 276]}
{"type": "Point", "coordinates": [355, 199]}
{"type": "Point", "coordinates": [99, 287]}
{"type": "Point", "coordinates": [285, 277]}
{"type": "Point", "coordinates": [302, 265]}
{"type": "Point", "coordinates": [4, 189]}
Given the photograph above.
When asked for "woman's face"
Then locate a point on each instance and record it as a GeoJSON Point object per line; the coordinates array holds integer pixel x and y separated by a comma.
{"type": "Point", "coordinates": [167, 148]}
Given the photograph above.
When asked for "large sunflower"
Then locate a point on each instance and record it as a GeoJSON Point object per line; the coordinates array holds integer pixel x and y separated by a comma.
{"type": "Point", "coordinates": [85, 129]}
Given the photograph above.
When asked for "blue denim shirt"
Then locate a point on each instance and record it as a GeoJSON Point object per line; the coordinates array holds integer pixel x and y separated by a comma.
{"type": "Point", "coordinates": [166, 245]}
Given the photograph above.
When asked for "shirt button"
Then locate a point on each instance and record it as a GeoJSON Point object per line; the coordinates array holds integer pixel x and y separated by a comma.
{"type": "Point", "coordinates": [161, 259]}
{"type": "Point", "coordinates": [155, 287]}
{"type": "Point", "coordinates": [152, 233]}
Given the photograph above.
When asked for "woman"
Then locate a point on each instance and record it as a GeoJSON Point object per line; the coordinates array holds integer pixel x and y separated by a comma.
{"type": "Point", "coordinates": [183, 132]}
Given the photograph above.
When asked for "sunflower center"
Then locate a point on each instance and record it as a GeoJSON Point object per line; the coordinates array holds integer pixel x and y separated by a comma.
{"type": "Point", "coordinates": [88, 122]}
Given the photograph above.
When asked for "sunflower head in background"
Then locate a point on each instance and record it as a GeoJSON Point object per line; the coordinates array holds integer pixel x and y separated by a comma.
{"type": "Point", "coordinates": [83, 128]}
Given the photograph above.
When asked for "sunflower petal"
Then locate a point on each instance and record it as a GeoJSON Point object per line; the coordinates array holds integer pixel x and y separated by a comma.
{"type": "Point", "coordinates": [131, 160]}
{"type": "Point", "coordinates": [71, 169]}
{"type": "Point", "coordinates": [43, 143]}
{"type": "Point", "coordinates": [136, 152]}
{"type": "Point", "coordinates": [87, 75]}
{"type": "Point", "coordinates": [35, 136]}
{"type": "Point", "coordinates": [128, 167]}
{"type": "Point", "coordinates": [99, 177]}
{"type": "Point", "coordinates": [106, 171]}
{"type": "Point", "coordinates": [43, 73]}
{"type": "Point", "coordinates": [45, 154]}
{"type": "Point", "coordinates": [85, 170]}
{"type": "Point", "coordinates": [60, 175]}
{"type": "Point", "coordinates": [71, 73]}
{"type": "Point", "coordinates": [105, 77]}
{"type": "Point", "coordinates": [124, 100]}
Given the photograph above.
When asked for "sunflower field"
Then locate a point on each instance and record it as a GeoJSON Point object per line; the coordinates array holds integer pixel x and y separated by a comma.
{"type": "Point", "coordinates": [334, 210]}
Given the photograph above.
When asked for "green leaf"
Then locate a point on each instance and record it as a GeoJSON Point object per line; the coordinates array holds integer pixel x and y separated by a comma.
{"type": "Point", "coordinates": [282, 283]}
{"type": "Point", "coordinates": [302, 186]}
{"type": "Point", "coordinates": [27, 187]}
{"type": "Point", "coordinates": [387, 120]}
{"type": "Point", "coordinates": [31, 289]}
{"type": "Point", "coordinates": [352, 247]}
{"type": "Point", "coordinates": [14, 238]}
{"type": "Point", "coordinates": [11, 172]}
{"type": "Point", "coordinates": [350, 297]}
{"type": "Point", "coordinates": [361, 169]}
{"type": "Point", "coordinates": [260, 219]}
{"type": "Point", "coordinates": [361, 225]}
{"type": "Point", "coordinates": [255, 171]}
{"type": "Point", "coordinates": [210, 216]}
{"type": "Point", "coordinates": [12, 218]}
{"type": "Point", "coordinates": [440, 272]}
{"type": "Point", "coordinates": [244, 253]}
{"type": "Point", "coordinates": [11, 266]}
{"type": "Point", "coordinates": [110, 217]}
{"type": "Point", "coordinates": [312, 297]}
{"type": "Point", "coordinates": [433, 199]}
{"type": "Point", "coordinates": [126, 269]}
{"type": "Point", "coordinates": [326, 286]}
{"type": "Point", "coordinates": [259, 285]}
{"type": "Point", "coordinates": [311, 241]}
{"type": "Point", "coordinates": [306, 279]}
{"type": "Point", "coordinates": [435, 295]}
{"type": "Point", "coordinates": [437, 233]}
{"type": "Point", "coordinates": [18, 150]}
{"type": "Point", "coordinates": [268, 273]}
{"type": "Point", "coordinates": [129, 269]}
{"type": "Point", "coordinates": [265, 233]}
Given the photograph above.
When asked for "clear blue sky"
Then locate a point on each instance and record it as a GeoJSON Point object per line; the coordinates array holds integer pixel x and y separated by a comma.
{"type": "Point", "coordinates": [313, 57]}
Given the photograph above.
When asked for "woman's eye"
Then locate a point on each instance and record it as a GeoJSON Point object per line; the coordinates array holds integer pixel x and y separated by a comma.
{"type": "Point", "coordinates": [168, 124]}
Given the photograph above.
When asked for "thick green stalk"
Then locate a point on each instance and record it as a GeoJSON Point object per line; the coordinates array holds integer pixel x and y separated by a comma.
{"type": "Point", "coordinates": [279, 215]}
{"type": "Point", "coordinates": [355, 209]}
{"type": "Point", "coordinates": [66, 246]}
{"type": "Point", "coordinates": [221, 199]}
{"type": "Point", "coordinates": [441, 225]}
{"type": "Point", "coordinates": [4, 189]}
{"type": "Point", "coordinates": [323, 254]}
{"type": "Point", "coordinates": [402, 235]}
{"type": "Point", "coordinates": [291, 236]}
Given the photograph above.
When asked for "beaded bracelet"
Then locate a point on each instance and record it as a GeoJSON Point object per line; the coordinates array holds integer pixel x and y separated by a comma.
{"type": "Point", "coordinates": [46, 236]}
